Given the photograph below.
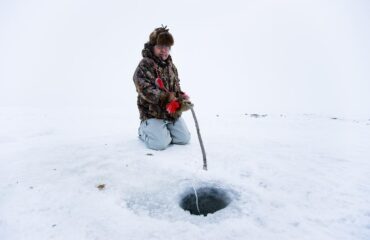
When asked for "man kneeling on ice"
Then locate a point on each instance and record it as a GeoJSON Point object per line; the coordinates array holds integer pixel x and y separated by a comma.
{"type": "Point", "coordinates": [160, 99]}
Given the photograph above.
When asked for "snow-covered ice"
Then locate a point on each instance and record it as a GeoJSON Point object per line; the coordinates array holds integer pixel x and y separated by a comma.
{"type": "Point", "coordinates": [72, 166]}
{"type": "Point", "coordinates": [290, 177]}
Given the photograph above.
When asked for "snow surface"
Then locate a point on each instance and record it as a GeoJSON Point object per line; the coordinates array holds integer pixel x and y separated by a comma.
{"type": "Point", "coordinates": [68, 120]}
{"type": "Point", "coordinates": [290, 177]}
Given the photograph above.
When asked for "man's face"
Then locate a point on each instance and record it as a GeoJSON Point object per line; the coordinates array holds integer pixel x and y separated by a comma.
{"type": "Point", "coordinates": [162, 51]}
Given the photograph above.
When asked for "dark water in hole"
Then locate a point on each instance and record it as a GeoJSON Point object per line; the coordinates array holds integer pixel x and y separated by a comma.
{"type": "Point", "coordinates": [210, 200]}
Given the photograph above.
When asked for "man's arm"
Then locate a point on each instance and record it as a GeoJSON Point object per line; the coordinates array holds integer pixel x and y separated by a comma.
{"type": "Point", "coordinates": [146, 87]}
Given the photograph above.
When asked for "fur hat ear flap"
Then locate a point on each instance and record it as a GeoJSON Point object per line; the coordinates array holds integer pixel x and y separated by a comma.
{"type": "Point", "coordinates": [165, 38]}
{"type": "Point", "coordinates": [153, 37]}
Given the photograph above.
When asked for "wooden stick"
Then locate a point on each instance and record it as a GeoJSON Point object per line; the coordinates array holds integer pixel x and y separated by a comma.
{"type": "Point", "coordinates": [200, 140]}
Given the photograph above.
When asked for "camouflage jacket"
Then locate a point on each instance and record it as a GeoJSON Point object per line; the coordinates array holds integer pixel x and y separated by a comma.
{"type": "Point", "coordinates": [151, 99]}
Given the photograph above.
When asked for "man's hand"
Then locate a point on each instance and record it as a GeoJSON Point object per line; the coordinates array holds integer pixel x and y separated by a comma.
{"type": "Point", "coordinates": [185, 96]}
{"type": "Point", "coordinates": [172, 106]}
{"type": "Point", "coordinates": [176, 106]}
{"type": "Point", "coordinates": [172, 97]}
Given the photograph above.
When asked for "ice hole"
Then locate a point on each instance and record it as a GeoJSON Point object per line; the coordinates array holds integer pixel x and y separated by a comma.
{"type": "Point", "coordinates": [209, 199]}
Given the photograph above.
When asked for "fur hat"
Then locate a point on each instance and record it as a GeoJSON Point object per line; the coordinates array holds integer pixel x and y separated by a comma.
{"type": "Point", "coordinates": [161, 36]}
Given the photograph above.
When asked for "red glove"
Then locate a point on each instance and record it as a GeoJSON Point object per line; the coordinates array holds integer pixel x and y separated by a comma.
{"type": "Point", "coordinates": [172, 106]}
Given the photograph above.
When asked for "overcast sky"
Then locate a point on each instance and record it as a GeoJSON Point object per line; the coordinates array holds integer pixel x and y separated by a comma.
{"type": "Point", "coordinates": [250, 56]}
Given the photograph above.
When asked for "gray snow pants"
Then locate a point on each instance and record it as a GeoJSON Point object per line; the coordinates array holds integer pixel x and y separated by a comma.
{"type": "Point", "coordinates": [158, 134]}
